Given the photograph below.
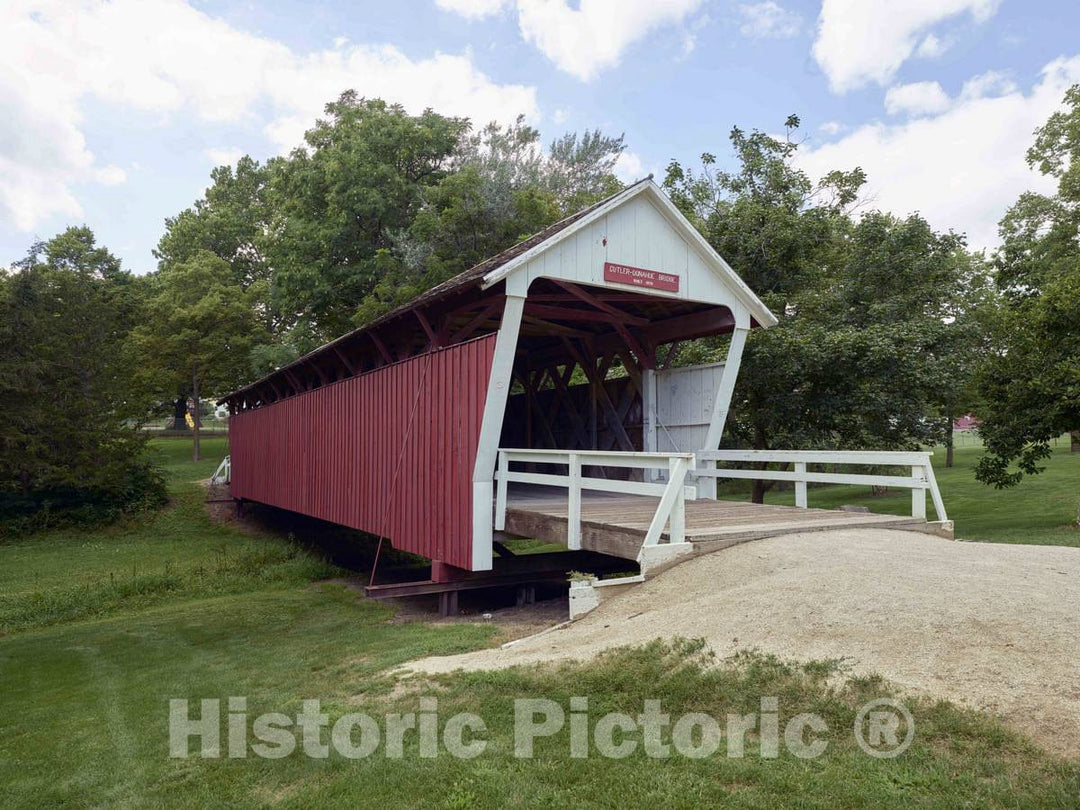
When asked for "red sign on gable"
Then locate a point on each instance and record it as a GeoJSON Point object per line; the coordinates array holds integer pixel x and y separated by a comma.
{"type": "Point", "coordinates": [638, 277]}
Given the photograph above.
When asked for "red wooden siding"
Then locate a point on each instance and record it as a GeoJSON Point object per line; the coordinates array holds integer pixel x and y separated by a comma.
{"type": "Point", "coordinates": [390, 452]}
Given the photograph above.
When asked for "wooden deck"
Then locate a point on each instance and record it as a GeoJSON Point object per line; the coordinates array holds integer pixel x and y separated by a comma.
{"type": "Point", "coordinates": [616, 524]}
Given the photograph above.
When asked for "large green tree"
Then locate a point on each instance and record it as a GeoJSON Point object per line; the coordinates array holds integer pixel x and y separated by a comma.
{"type": "Point", "coordinates": [863, 354]}
{"type": "Point", "coordinates": [231, 221]}
{"type": "Point", "coordinates": [1031, 383]}
{"type": "Point", "coordinates": [199, 329]}
{"type": "Point", "coordinates": [337, 203]}
{"type": "Point", "coordinates": [69, 447]}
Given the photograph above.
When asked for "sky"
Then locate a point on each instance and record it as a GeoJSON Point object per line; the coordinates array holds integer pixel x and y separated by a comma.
{"type": "Point", "coordinates": [113, 113]}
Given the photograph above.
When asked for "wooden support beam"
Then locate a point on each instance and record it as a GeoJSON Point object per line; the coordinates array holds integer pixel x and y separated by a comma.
{"type": "Point", "coordinates": [488, 311]}
{"type": "Point", "coordinates": [345, 361]}
{"type": "Point", "coordinates": [555, 328]}
{"type": "Point", "coordinates": [687, 327]}
{"type": "Point", "coordinates": [644, 356]}
{"type": "Point", "coordinates": [433, 340]}
{"type": "Point", "coordinates": [294, 381]}
{"type": "Point", "coordinates": [534, 405]}
{"type": "Point", "coordinates": [552, 312]}
{"type": "Point", "coordinates": [318, 372]}
{"type": "Point", "coordinates": [605, 400]}
{"type": "Point", "coordinates": [682, 327]}
{"type": "Point", "coordinates": [381, 347]}
{"type": "Point", "coordinates": [633, 370]}
{"type": "Point", "coordinates": [595, 302]}
{"type": "Point", "coordinates": [672, 351]}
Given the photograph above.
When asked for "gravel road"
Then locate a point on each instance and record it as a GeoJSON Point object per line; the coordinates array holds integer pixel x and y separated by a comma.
{"type": "Point", "coordinates": [996, 627]}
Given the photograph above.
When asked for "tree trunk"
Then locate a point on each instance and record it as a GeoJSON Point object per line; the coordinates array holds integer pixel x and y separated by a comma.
{"type": "Point", "coordinates": [759, 488]}
{"type": "Point", "coordinates": [949, 448]}
{"type": "Point", "coordinates": [195, 416]}
{"type": "Point", "coordinates": [179, 412]}
{"type": "Point", "coordinates": [1074, 441]}
{"type": "Point", "coordinates": [757, 491]}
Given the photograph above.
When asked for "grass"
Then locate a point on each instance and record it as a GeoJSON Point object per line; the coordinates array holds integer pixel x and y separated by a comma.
{"type": "Point", "coordinates": [86, 721]}
{"type": "Point", "coordinates": [1042, 510]}
{"type": "Point", "coordinates": [211, 612]}
{"type": "Point", "coordinates": [177, 553]}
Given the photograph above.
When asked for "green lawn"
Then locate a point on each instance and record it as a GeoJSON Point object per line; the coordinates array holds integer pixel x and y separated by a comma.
{"type": "Point", "coordinates": [91, 652]}
{"type": "Point", "coordinates": [1042, 510]}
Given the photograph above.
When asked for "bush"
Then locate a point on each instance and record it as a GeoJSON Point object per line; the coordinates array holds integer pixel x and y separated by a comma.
{"type": "Point", "coordinates": [69, 450]}
{"type": "Point", "coordinates": [137, 487]}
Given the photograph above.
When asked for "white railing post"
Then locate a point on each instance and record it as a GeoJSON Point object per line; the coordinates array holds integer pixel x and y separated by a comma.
{"type": "Point", "coordinates": [503, 480]}
{"type": "Point", "coordinates": [573, 509]}
{"type": "Point", "coordinates": [800, 485]}
{"type": "Point", "coordinates": [677, 469]}
{"type": "Point", "coordinates": [935, 493]}
{"type": "Point", "coordinates": [918, 494]}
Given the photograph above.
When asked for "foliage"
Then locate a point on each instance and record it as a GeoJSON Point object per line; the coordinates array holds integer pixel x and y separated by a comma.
{"type": "Point", "coordinates": [1031, 381]}
{"type": "Point", "coordinates": [230, 221]}
{"type": "Point", "coordinates": [68, 452]}
{"type": "Point", "coordinates": [869, 309]}
{"type": "Point", "coordinates": [376, 207]}
{"type": "Point", "coordinates": [336, 203]}
{"type": "Point", "coordinates": [499, 189]}
{"type": "Point", "coordinates": [199, 328]}
{"type": "Point", "coordinates": [580, 169]}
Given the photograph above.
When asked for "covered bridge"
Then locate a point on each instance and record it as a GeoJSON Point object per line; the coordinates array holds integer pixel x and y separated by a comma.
{"type": "Point", "coordinates": [492, 401]}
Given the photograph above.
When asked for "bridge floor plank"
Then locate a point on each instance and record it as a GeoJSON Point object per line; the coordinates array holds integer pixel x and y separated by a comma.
{"type": "Point", "coordinates": [617, 524]}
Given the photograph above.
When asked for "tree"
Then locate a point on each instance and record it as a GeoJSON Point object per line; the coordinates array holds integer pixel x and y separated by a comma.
{"type": "Point", "coordinates": [337, 202]}
{"type": "Point", "coordinates": [231, 221]}
{"type": "Point", "coordinates": [199, 330]}
{"type": "Point", "coordinates": [69, 444]}
{"type": "Point", "coordinates": [580, 170]}
{"type": "Point", "coordinates": [867, 309]}
{"type": "Point", "coordinates": [1031, 382]}
{"type": "Point", "coordinates": [376, 207]}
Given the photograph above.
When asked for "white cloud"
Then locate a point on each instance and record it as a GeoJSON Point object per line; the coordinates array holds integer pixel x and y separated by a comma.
{"type": "Point", "coordinates": [166, 58]}
{"type": "Point", "coordinates": [224, 155]}
{"type": "Point", "coordinates": [768, 20]}
{"type": "Point", "coordinates": [961, 169]}
{"type": "Point", "coordinates": [932, 47]}
{"type": "Point", "coordinates": [863, 41]}
{"type": "Point", "coordinates": [832, 127]}
{"type": "Point", "coordinates": [560, 115]}
{"type": "Point", "coordinates": [629, 167]}
{"type": "Point", "coordinates": [473, 9]}
{"type": "Point", "coordinates": [585, 40]}
{"type": "Point", "coordinates": [918, 98]}
{"type": "Point", "coordinates": [991, 83]}
{"type": "Point", "coordinates": [110, 175]}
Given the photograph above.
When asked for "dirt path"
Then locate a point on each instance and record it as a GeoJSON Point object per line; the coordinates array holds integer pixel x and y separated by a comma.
{"type": "Point", "coordinates": [996, 627]}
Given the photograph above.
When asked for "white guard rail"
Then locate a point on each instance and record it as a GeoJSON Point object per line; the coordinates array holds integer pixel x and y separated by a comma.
{"type": "Point", "coordinates": [223, 475]}
{"type": "Point", "coordinates": [673, 494]}
{"type": "Point", "coordinates": [920, 481]}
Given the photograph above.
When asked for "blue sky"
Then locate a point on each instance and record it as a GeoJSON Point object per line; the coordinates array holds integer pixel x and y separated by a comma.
{"type": "Point", "coordinates": [115, 112]}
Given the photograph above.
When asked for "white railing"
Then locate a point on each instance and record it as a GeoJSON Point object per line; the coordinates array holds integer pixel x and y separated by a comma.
{"type": "Point", "coordinates": [223, 473]}
{"type": "Point", "coordinates": [920, 481]}
{"type": "Point", "coordinates": [670, 512]}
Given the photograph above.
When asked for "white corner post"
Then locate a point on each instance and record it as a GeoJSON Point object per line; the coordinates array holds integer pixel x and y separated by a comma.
{"type": "Point", "coordinates": [724, 392]}
{"type": "Point", "coordinates": [487, 450]}
{"type": "Point", "coordinates": [800, 484]}
{"type": "Point", "coordinates": [918, 492]}
{"type": "Point", "coordinates": [573, 504]}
